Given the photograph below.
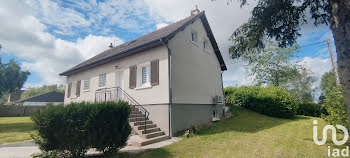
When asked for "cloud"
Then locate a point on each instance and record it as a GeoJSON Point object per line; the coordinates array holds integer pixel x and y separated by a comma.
{"type": "Point", "coordinates": [27, 38]}
{"type": "Point", "coordinates": [318, 66]}
{"type": "Point", "coordinates": [160, 25]}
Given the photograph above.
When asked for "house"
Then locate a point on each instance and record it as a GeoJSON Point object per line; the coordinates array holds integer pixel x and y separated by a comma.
{"type": "Point", "coordinates": [53, 98]}
{"type": "Point", "coordinates": [173, 76]}
{"type": "Point", "coordinates": [15, 96]}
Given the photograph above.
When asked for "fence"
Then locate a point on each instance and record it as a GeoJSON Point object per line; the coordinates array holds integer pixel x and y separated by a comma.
{"type": "Point", "coordinates": [8, 111]}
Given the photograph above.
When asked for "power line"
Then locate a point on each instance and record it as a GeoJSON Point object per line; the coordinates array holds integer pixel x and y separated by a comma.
{"type": "Point", "coordinates": [314, 43]}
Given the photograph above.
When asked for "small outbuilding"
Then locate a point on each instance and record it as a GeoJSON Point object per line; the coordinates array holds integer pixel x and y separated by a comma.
{"type": "Point", "coordinates": [53, 97]}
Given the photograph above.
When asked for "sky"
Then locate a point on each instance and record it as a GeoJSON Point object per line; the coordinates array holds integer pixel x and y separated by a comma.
{"type": "Point", "coordinates": [48, 37]}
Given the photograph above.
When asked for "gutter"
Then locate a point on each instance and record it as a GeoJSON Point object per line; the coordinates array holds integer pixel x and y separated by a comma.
{"type": "Point", "coordinates": [223, 94]}
{"type": "Point", "coordinates": [170, 85]}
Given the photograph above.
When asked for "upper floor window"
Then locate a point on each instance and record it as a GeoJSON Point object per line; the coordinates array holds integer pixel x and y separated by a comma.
{"type": "Point", "coordinates": [102, 80]}
{"type": "Point", "coordinates": [206, 45]}
{"type": "Point", "coordinates": [143, 75]}
{"type": "Point", "coordinates": [194, 37]}
{"type": "Point", "coordinates": [86, 84]}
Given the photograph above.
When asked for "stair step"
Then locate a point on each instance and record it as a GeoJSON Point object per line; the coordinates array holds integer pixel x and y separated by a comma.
{"type": "Point", "coordinates": [135, 119]}
{"type": "Point", "coordinates": [136, 112]}
{"type": "Point", "coordinates": [142, 122]}
{"type": "Point", "coordinates": [150, 141]}
{"type": "Point", "coordinates": [142, 127]}
{"type": "Point", "coordinates": [150, 130]}
{"type": "Point", "coordinates": [137, 115]}
{"type": "Point", "coordinates": [153, 134]}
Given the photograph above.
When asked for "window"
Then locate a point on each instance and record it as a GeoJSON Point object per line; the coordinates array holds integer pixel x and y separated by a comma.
{"type": "Point", "coordinates": [102, 80]}
{"type": "Point", "coordinates": [214, 114]}
{"type": "Point", "coordinates": [144, 75]}
{"type": "Point", "coordinates": [206, 45]}
{"type": "Point", "coordinates": [194, 37]}
{"type": "Point", "coordinates": [86, 85]}
{"type": "Point", "coordinates": [73, 90]}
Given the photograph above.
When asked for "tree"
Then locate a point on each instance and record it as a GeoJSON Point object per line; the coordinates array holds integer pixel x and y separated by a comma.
{"type": "Point", "coordinates": [39, 90]}
{"type": "Point", "coordinates": [272, 65]}
{"type": "Point", "coordinates": [277, 66]}
{"type": "Point", "coordinates": [282, 20]}
{"type": "Point", "coordinates": [300, 86]}
{"type": "Point", "coordinates": [12, 77]}
{"type": "Point", "coordinates": [328, 82]}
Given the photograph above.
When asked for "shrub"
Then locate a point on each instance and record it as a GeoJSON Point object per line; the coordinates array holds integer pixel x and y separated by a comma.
{"type": "Point", "coordinates": [272, 101]}
{"type": "Point", "coordinates": [74, 128]}
{"type": "Point", "coordinates": [336, 108]}
{"type": "Point", "coordinates": [311, 109]}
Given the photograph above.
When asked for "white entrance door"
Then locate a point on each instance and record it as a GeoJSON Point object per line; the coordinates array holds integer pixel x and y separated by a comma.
{"type": "Point", "coordinates": [120, 83]}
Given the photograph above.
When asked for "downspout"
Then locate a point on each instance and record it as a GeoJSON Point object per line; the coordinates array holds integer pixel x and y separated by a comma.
{"type": "Point", "coordinates": [223, 94]}
{"type": "Point", "coordinates": [170, 85]}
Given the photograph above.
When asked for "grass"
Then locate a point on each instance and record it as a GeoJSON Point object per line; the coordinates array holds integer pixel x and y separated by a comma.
{"type": "Point", "coordinates": [14, 129]}
{"type": "Point", "coordinates": [248, 134]}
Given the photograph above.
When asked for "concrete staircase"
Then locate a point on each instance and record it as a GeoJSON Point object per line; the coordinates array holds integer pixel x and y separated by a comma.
{"type": "Point", "coordinates": [153, 134]}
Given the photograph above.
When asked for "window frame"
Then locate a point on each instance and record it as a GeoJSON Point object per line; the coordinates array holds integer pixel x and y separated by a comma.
{"type": "Point", "coordinates": [206, 45]}
{"type": "Point", "coordinates": [191, 38]}
{"type": "Point", "coordinates": [84, 82]}
{"type": "Point", "coordinates": [99, 80]}
{"type": "Point", "coordinates": [73, 90]}
{"type": "Point", "coordinates": [139, 76]}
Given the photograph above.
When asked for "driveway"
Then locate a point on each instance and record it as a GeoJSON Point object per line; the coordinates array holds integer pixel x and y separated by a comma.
{"type": "Point", "coordinates": [26, 148]}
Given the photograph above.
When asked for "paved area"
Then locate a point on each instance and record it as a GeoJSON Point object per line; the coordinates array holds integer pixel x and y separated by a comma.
{"type": "Point", "coordinates": [26, 148]}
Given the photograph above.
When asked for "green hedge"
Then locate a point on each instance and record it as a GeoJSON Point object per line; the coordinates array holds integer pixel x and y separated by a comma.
{"type": "Point", "coordinates": [336, 108]}
{"type": "Point", "coordinates": [77, 127]}
{"type": "Point", "coordinates": [311, 109]}
{"type": "Point", "coordinates": [272, 101]}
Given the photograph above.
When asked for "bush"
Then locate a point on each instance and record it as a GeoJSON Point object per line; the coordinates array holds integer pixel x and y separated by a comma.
{"type": "Point", "coordinates": [272, 101]}
{"type": "Point", "coordinates": [336, 108]}
{"type": "Point", "coordinates": [74, 128]}
{"type": "Point", "coordinates": [311, 109]}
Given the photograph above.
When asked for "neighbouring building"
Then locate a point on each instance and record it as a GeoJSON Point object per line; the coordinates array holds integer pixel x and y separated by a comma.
{"type": "Point", "coordinates": [173, 76]}
{"type": "Point", "coordinates": [49, 98]}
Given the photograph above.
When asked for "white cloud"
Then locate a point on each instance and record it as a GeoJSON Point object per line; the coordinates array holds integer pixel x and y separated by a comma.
{"type": "Point", "coordinates": [317, 66]}
{"type": "Point", "coordinates": [160, 25]}
{"type": "Point", "coordinates": [24, 36]}
{"type": "Point", "coordinates": [52, 14]}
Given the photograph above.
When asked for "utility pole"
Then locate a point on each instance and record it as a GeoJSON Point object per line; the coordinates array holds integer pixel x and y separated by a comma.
{"type": "Point", "coordinates": [335, 68]}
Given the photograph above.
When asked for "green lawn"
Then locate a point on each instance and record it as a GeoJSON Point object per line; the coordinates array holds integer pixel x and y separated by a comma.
{"type": "Point", "coordinates": [248, 134]}
{"type": "Point", "coordinates": [14, 129]}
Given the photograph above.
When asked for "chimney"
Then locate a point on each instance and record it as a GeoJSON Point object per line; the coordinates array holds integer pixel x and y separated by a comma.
{"type": "Point", "coordinates": [195, 11]}
{"type": "Point", "coordinates": [111, 46]}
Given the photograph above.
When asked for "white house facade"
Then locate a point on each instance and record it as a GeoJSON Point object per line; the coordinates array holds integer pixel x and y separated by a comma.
{"type": "Point", "coordinates": [172, 75]}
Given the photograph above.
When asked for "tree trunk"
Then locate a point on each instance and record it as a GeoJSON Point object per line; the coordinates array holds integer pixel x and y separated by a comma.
{"type": "Point", "coordinates": [340, 26]}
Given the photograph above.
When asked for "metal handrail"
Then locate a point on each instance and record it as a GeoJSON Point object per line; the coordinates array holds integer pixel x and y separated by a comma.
{"type": "Point", "coordinates": [130, 99]}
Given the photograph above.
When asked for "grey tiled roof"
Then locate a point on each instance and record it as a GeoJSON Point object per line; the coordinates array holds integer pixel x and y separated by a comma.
{"type": "Point", "coordinates": [52, 96]}
{"type": "Point", "coordinates": [163, 33]}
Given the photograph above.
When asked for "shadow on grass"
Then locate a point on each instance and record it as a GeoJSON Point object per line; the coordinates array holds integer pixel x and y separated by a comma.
{"type": "Point", "coordinates": [16, 127]}
{"type": "Point", "coordinates": [160, 152]}
{"type": "Point", "coordinates": [246, 121]}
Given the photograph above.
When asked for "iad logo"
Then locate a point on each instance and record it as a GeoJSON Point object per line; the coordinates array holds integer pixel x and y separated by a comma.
{"type": "Point", "coordinates": [334, 152]}
{"type": "Point", "coordinates": [334, 134]}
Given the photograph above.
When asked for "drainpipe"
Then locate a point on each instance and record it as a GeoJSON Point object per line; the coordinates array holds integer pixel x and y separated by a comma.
{"type": "Point", "coordinates": [170, 85]}
{"type": "Point", "coordinates": [223, 94]}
